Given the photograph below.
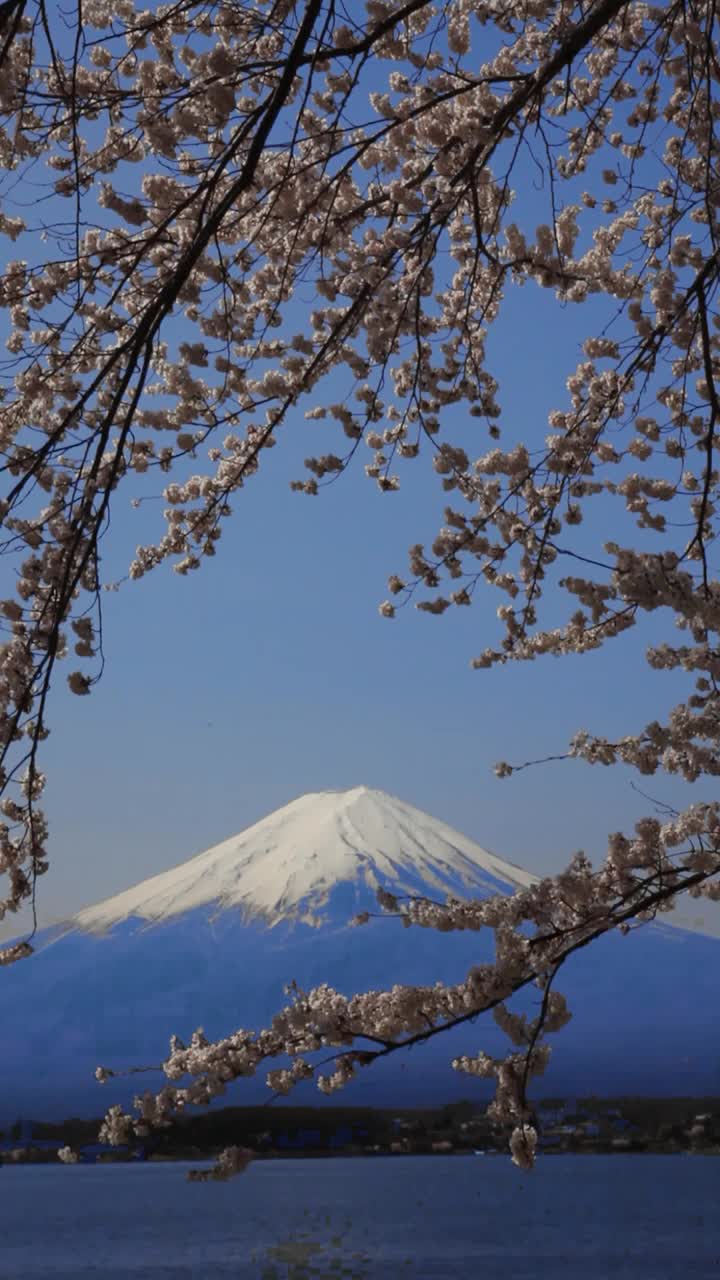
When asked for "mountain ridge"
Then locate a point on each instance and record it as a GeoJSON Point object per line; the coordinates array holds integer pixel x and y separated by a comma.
{"type": "Point", "coordinates": [285, 866]}
{"type": "Point", "coordinates": [110, 987]}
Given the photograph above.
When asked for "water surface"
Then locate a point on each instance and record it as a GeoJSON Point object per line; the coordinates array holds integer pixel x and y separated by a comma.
{"type": "Point", "coordinates": [439, 1218]}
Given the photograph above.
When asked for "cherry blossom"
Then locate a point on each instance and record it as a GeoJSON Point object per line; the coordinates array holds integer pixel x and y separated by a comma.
{"type": "Point", "coordinates": [206, 169]}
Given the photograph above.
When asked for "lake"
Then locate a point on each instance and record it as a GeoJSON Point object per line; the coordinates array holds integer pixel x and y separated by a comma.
{"type": "Point", "coordinates": [440, 1218]}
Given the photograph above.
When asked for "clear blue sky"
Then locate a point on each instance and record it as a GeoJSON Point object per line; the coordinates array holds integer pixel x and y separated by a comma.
{"type": "Point", "coordinates": [269, 673]}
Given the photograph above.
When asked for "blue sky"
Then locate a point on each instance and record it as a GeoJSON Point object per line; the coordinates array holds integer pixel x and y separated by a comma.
{"type": "Point", "coordinates": [270, 673]}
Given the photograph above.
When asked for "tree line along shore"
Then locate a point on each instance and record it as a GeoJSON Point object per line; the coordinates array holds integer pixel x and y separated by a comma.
{"type": "Point", "coordinates": [581, 1125]}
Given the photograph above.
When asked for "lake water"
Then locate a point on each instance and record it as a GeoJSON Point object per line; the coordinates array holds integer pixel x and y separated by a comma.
{"type": "Point", "coordinates": [440, 1218]}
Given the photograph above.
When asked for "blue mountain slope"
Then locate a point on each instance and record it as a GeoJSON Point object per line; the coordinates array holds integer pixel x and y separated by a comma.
{"type": "Point", "coordinates": [643, 1005]}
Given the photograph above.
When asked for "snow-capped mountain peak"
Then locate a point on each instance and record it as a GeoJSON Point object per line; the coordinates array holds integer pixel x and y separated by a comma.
{"type": "Point", "coordinates": [290, 864]}
{"type": "Point", "coordinates": [193, 947]}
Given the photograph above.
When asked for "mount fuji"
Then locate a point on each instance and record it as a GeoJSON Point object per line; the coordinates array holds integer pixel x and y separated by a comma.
{"type": "Point", "coordinates": [213, 941]}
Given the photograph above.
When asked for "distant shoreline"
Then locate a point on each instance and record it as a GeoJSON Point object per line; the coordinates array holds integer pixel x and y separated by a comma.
{"type": "Point", "coordinates": [264, 1157]}
{"type": "Point", "coordinates": [360, 1155]}
{"type": "Point", "coordinates": [578, 1126]}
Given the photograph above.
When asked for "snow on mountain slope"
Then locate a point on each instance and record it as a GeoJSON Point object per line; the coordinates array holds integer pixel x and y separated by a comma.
{"type": "Point", "coordinates": [287, 866]}
{"type": "Point", "coordinates": [214, 941]}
